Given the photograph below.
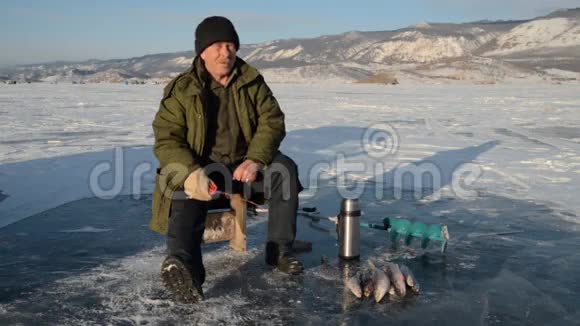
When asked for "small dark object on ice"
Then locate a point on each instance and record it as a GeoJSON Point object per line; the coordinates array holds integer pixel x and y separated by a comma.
{"type": "Point", "coordinates": [300, 246]}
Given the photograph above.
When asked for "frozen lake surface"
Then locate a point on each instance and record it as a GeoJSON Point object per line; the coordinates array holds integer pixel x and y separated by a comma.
{"type": "Point", "coordinates": [76, 248]}
{"type": "Point", "coordinates": [94, 261]}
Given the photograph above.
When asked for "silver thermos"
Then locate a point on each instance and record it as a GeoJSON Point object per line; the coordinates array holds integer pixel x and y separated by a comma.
{"type": "Point", "coordinates": [349, 229]}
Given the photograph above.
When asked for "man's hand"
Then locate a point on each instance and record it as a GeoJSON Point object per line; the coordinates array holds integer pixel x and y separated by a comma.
{"type": "Point", "coordinates": [197, 186]}
{"type": "Point", "coordinates": [247, 171]}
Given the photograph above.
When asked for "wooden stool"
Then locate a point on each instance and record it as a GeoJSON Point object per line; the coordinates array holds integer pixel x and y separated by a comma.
{"type": "Point", "coordinates": [226, 221]}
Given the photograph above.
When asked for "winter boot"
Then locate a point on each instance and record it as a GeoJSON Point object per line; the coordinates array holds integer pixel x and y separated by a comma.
{"type": "Point", "coordinates": [178, 279]}
{"type": "Point", "coordinates": [283, 260]}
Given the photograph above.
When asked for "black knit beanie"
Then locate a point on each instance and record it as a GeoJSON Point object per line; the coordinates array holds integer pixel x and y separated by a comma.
{"type": "Point", "coordinates": [215, 29]}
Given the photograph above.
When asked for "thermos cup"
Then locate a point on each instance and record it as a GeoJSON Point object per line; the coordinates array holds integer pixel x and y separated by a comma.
{"type": "Point", "coordinates": [349, 229]}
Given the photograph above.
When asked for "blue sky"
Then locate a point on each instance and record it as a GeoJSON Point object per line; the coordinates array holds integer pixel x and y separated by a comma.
{"type": "Point", "coordinates": [44, 31]}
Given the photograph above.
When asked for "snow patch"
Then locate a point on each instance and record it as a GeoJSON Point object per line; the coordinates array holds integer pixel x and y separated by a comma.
{"type": "Point", "coordinates": [414, 46]}
{"type": "Point", "coordinates": [86, 229]}
{"type": "Point", "coordinates": [181, 61]}
{"type": "Point", "coordinates": [266, 55]}
{"type": "Point", "coordinates": [351, 36]}
{"type": "Point", "coordinates": [422, 25]}
{"type": "Point", "coordinates": [563, 73]}
{"type": "Point", "coordinates": [311, 74]}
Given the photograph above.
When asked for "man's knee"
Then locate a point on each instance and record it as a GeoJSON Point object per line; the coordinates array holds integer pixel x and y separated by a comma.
{"type": "Point", "coordinates": [284, 165]}
{"type": "Point", "coordinates": [282, 174]}
{"type": "Point", "coordinates": [188, 214]}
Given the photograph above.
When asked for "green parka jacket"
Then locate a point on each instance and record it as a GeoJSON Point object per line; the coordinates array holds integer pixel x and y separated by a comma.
{"type": "Point", "coordinates": [180, 130]}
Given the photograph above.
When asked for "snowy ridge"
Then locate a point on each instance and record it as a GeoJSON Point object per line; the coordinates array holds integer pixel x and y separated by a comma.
{"type": "Point", "coordinates": [182, 61]}
{"type": "Point", "coordinates": [313, 74]}
{"type": "Point", "coordinates": [414, 46]}
{"type": "Point", "coordinates": [278, 54]}
{"type": "Point", "coordinates": [543, 33]}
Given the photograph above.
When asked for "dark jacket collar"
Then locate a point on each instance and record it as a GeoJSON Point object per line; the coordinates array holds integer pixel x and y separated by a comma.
{"type": "Point", "coordinates": [245, 73]}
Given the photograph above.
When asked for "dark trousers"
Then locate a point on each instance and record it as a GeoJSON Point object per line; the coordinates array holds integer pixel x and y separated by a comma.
{"type": "Point", "coordinates": [278, 183]}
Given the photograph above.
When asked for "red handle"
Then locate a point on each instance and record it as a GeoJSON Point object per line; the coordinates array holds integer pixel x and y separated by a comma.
{"type": "Point", "coordinates": [212, 188]}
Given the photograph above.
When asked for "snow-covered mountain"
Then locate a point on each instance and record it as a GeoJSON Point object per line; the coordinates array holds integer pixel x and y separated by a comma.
{"type": "Point", "coordinates": [540, 34]}
{"type": "Point", "coordinates": [544, 48]}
